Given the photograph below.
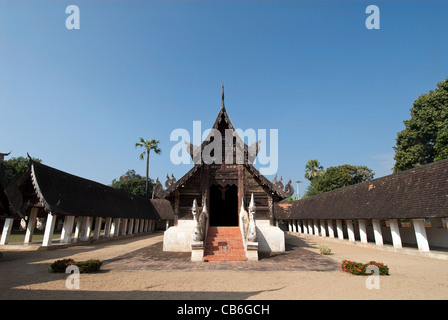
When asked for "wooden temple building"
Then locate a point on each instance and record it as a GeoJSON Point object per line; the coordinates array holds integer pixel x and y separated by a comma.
{"type": "Point", "coordinates": [223, 189]}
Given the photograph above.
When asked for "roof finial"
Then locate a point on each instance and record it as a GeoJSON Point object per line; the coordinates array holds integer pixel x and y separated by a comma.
{"type": "Point", "coordinates": [222, 99]}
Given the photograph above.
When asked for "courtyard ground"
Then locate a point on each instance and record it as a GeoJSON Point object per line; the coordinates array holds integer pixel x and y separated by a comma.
{"type": "Point", "coordinates": [137, 268]}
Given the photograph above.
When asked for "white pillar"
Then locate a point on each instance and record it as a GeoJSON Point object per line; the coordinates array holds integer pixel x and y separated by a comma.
{"type": "Point", "coordinates": [116, 229]}
{"type": "Point", "coordinates": [97, 231]}
{"type": "Point", "coordinates": [339, 229]}
{"type": "Point", "coordinates": [362, 230]}
{"type": "Point", "coordinates": [124, 227]}
{"type": "Point", "coordinates": [131, 226]}
{"type": "Point", "coordinates": [395, 231]}
{"type": "Point", "coordinates": [7, 227]}
{"type": "Point", "coordinates": [67, 228]}
{"type": "Point", "coordinates": [310, 226]}
{"type": "Point", "coordinates": [305, 227]}
{"type": "Point", "coordinates": [78, 226]}
{"type": "Point", "coordinates": [420, 235]}
{"type": "Point", "coordinates": [289, 226]}
{"type": "Point", "coordinates": [49, 230]}
{"type": "Point", "coordinates": [136, 224]}
{"type": "Point", "coordinates": [299, 226]}
{"type": "Point", "coordinates": [294, 225]}
{"type": "Point", "coordinates": [316, 226]}
{"type": "Point", "coordinates": [86, 228]}
{"type": "Point", "coordinates": [167, 224]}
{"type": "Point", "coordinates": [323, 230]}
{"type": "Point", "coordinates": [30, 226]}
{"type": "Point", "coordinates": [350, 230]}
{"type": "Point", "coordinates": [107, 227]}
{"type": "Point", "coordinates": [330, 228]}
{"type": "Point", "coordinates": [377, 232]}
{"type": "Point", "coordinates": [142, 224]}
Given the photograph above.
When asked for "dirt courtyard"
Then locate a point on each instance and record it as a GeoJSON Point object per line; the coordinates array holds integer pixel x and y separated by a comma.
{"type": "Point", "coordinates": [134, 268]}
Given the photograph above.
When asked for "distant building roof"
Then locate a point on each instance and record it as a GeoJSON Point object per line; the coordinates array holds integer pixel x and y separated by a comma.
{"type": "Point", "coordinates": [62, 193]}
{"type": "Point", "coordinates": [416, 193]}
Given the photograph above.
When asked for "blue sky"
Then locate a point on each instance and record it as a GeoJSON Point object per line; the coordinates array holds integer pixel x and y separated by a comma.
{"type": "Point", "coordinates": [336, 91]}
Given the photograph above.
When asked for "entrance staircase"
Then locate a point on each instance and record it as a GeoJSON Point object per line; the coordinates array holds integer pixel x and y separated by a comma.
{"type": "Point", "coordinates": [224, 244]}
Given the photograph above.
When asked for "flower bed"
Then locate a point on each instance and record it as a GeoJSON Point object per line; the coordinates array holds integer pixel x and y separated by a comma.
{"type": "Point", "coordinates": [357, 268]}
{"type": "Point", "coordinates": [88, 266]}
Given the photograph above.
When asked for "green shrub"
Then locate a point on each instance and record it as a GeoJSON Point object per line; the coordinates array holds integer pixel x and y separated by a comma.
{"type": "Point", "coordinates": [88, 266]}
{"type": "Point", "coordinates": [357, 268]}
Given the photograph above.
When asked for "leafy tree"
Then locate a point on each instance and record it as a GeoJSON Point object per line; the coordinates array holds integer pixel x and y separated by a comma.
{"type": "Point", "coordinates": [425, 137]}
{"type": "Point", "coordinates": [14, 166]}
{"type": "Point", "coordinates": [132, 182]}
{"type": "Point", "coordinates": [313, 169]}
{"type": "Point", "coordinates": [338, 177]}
{"type": "Point", "coordinates": [148, 145]}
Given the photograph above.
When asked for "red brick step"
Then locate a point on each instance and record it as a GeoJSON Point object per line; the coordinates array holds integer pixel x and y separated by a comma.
{"type": "Point", "coordinates": [224, 244]}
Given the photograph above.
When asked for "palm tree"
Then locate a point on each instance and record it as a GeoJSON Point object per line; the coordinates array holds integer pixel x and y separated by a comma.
{"type": "Point", "coordinates": [313, 169]}
{"type": "Point", "coordinates": [148, 145]}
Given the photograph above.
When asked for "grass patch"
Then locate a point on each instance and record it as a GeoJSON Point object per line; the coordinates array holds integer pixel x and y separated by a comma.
{"type": "Point", "coordinates": [38, 235]}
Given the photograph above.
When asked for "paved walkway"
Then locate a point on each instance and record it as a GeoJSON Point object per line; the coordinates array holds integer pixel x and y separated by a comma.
{"type": "Point", "coordinates": [295, 258]}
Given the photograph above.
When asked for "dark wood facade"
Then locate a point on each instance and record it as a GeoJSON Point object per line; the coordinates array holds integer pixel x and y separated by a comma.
{"type": "Point", "coordinates": [222, 184]}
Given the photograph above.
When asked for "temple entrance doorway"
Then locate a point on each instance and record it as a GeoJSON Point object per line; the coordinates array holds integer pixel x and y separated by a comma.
{"type": "Point", "coordinates": [223, 206]}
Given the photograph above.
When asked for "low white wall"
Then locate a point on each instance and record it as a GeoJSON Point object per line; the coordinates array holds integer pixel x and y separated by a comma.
{"type": "Point", "coordinates": [270, 238]}
{"type": "Point", "coordinates": [178, 239]}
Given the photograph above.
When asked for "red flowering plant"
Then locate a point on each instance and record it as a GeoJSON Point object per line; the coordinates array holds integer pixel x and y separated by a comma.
{"type": "Point", "coordinates": [358, 268]}
{"type": "Point", "coordinates": [88, 266]}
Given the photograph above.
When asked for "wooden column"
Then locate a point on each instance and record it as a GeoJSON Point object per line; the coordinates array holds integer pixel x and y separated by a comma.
{"type": "Point", "coordinates": [205, 187]}
{"type": "Point", "coordinates": [176, 207]}
{"type": "Point", "coordinates": [271, 209]}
